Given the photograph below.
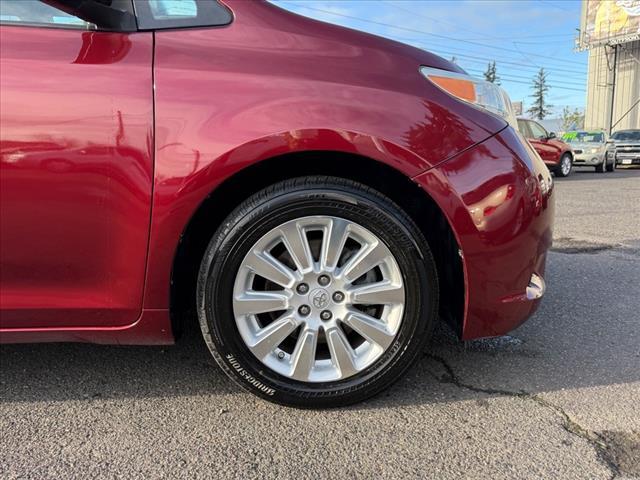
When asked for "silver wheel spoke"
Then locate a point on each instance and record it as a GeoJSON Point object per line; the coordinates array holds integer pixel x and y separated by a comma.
{"type": "Point", "coordinates": [268, 267]}
{"type": "Point", "coordinates": [304, 355]}
{"type": "Point", "coordinates": [259, 302]}
{"type": "Point", "coordinates": [370, 328]}
{"type": "Point", "coordinates": [295, 240]}
{"type": "Point", "coordinates": [366, 259]}
{"type": "Point", "coordinates": [272, 335]}
{"type": "Point", "coordinates": [333, 244]}
{"type": "Point", "coordinates": [342, 355]}
{"type": "Point", "coordinates": [316, 299]}
{"type": "Point", "coordinates": [380, 293]}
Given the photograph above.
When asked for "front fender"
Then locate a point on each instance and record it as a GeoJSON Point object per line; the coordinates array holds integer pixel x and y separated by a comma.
{"type": "Point", "coordinates": [184, 180]}
{"type": "Point", "coordinates": [227, 98]}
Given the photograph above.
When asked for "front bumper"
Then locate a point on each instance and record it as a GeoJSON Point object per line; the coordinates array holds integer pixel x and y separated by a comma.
{"type": "Point", "coordinates": [498, 198]}
{"type": "Point", "coordinates": [627, 160]}
{"type": "Point", "coordinates": [588, 159]}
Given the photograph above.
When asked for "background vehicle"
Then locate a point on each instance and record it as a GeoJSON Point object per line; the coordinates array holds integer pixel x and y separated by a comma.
{"type": "Point", "coordinates": [590, 149]}
{"type": "Point", "coordinates": [318, 196]}
{"type": "Point", "coordinates": [555, 153]}
{"type": "Point", "coordinates": [624, 147]}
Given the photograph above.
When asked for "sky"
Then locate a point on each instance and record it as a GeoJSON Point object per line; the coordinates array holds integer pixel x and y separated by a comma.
{"type": "Point", "coordinates": [520, 35]}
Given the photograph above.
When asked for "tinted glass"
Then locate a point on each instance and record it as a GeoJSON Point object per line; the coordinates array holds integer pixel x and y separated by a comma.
{"type": "Point", "coordinates": [524, 130]}
{"type": "Point", "coordinates": [157, 14]}
{"type": "Point", "coordinates": [168, 9]}
{"type": "Point", "coordinates": [34, 12]}
{"type": "Point", "coordinates": [627, 136]}
{"type": "Point", "coordinates": [537, 131]}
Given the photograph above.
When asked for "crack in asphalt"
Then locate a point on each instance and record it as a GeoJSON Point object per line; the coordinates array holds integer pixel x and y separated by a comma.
{"type": "Point", "coordinates": [598, 442]}
{"type": "Point", "coordinates": [572, 246]}
{"type": "Point", "coordinates": [584, 249]}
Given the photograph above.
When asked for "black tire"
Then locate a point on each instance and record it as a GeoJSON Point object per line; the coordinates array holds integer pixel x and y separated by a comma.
{"type": "Point", "coordinates": [564, 159]}
{"type": "Point", "coordinates": [601, 168]}
{"type": "Point", "coordinates": [611, 166]}
{"type": "Point", "coordinates": [295, 198]}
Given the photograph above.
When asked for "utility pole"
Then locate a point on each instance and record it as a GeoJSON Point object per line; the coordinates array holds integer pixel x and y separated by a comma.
{"type": "Point", "coordinates": [612, 90]}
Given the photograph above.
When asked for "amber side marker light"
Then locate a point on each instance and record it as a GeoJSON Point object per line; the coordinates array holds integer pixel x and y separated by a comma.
{"type": "Point", "coordinates": [463, 89]}
{"type": "Point", "coordinates": [479, 93]}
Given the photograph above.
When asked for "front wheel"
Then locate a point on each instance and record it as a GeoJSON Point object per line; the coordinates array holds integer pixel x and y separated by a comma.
{"type": "Point", "coordinates": [611, 166]}
{"type": "Point", "coordinates": [317, 292]}
{"type": "Point", "coordinates": [564, 169]}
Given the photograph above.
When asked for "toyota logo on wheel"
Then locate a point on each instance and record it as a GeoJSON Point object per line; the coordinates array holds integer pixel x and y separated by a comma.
{"type": "Point", "coordinates": [319, 298]}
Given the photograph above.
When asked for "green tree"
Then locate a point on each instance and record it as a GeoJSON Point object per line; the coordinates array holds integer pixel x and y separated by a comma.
{"type": "Point", "coordinates": [490, 74]}
{"type": "Point", "coordinates": [572, 119]}
{"type": "Point", "coordinates": [540, 108]}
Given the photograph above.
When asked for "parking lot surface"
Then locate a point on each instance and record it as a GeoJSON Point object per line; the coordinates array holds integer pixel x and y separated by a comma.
{"type": "Point", "coordinates": [559, 398]}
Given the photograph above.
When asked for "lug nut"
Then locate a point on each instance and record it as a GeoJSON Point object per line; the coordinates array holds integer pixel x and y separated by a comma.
{"type": "Point", "coordinates": [280, 355]}
{"type": "Point", "coordinates": [303, 288]}
{"type": "Point", "coordinates": [304, 310]}
{"type": "Point", "coordinates": [324, 280]}
{"type": "Point", "coordinates": [325, 315]}
{"type": "Point", "coordinates": [338, 297]}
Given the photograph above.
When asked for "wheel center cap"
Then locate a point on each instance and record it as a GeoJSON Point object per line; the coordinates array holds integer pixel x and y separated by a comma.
{"type": "Point", "coordinates": [319, 298]}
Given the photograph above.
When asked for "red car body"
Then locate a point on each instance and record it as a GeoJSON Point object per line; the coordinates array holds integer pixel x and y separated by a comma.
{"type": "Point", "coordinates": [113, 143]}
{"type": "Point", "coordinates": [550, 148]}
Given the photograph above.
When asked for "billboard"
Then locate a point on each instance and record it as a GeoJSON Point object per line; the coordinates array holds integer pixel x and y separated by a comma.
{"type": "Point", "coordinates": [609, 22]}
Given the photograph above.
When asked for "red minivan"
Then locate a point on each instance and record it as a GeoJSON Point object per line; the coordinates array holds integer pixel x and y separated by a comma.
{"type": "Point", "coordinates": [315, 198]}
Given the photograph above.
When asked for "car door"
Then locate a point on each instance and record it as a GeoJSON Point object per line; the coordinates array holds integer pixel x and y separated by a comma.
{"type": "Point", "coordinates": [540, 141]}
{"type": "Point", "coordinates": [76, 171]}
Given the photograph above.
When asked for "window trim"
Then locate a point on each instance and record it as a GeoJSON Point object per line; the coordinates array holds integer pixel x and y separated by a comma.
{"type": "Point", "coordinates": [216, 15]}
{"type": "Point", "coordinates": [75, 28]}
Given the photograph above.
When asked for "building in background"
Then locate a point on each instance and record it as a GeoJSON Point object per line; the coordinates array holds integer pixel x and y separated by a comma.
{"type": "Point", "coordinates": [610, 30]}
{"type": "Point", "coordinates": [517, 108]}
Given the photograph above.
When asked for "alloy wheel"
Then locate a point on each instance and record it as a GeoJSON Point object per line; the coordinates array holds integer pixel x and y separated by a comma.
{"type": "Point", "coordinates": [318, 299]}
{"type": "Point", "coordinates": [566, 165]}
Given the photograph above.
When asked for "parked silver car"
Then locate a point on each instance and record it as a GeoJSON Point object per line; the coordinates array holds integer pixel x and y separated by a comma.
{"type": "Point", "coordinates": [624, 147]}
{"type": "Point", "coordinates": [590, 150]}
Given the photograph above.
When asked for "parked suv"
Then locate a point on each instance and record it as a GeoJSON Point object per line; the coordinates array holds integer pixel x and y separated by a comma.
{"type": "Point", "coordinates": [590, 149]}
{"type": "Point", "coordinates": [624, 147]}
{"type": "Point", "coordinates": [555, 153]}
{"type": "Point", "coordinates": [317, 196]}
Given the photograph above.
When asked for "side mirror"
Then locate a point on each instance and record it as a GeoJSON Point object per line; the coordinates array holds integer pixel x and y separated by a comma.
{"type": "Point", "coordinates": [551, 135]}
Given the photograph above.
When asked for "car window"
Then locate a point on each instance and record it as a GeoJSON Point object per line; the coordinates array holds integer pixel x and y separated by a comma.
{"type": "Point", "coordinates": [537, 131]}
{"type": "Point", "coordinates": [524, 129]}
{"type": "Point", "coordinates": [627, 136]}
{"type": "Point", "coordinates": [37, 13]}
{"type": "Point", "coordinates": [583, 137]}
{"type": "Point", "coordinates": [167, 9]}
{"type": "Point", "coordinates": [159, 14]}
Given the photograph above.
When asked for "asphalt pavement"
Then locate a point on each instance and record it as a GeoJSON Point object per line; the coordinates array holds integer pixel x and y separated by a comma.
{"type": "Point", "coordinates": [558, 399]}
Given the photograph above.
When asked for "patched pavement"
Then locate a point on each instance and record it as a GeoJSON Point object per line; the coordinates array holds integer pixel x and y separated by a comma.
{"type": "Point", "coordinates": [559, 398]}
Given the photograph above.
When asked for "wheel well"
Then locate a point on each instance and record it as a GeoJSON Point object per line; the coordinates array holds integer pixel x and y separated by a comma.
{"type": "Point", "coordinates": [409, 196]}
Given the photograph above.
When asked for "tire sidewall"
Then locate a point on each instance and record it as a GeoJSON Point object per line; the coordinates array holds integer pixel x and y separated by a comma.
{"type": "Point", "coordinates": [228, 248]}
